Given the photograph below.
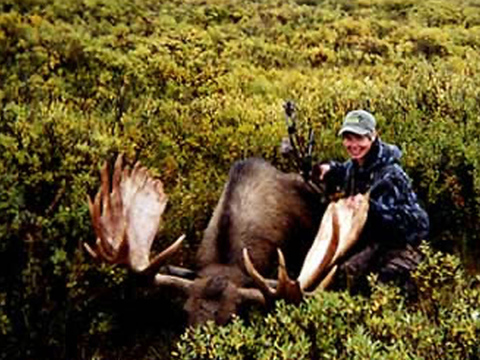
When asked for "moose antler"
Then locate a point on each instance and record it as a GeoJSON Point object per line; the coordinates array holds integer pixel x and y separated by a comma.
{"type": "Point", "coordinates": [340, 228]}
{"type": "Point", "coordinates": [126, 217]}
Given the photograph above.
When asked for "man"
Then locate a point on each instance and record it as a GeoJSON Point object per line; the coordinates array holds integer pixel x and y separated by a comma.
{"type": "Point", "coordinates": [396, 223]}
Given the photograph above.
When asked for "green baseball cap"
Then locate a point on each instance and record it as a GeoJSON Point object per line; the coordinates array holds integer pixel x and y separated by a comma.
{"type": "Point", "coordinates": [359, 122]}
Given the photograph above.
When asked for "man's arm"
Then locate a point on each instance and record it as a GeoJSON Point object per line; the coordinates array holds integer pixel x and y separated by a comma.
{"type": "Point", "coordinates": [332, 174]}
{"type": "Point", "coordinates": [395, 210]}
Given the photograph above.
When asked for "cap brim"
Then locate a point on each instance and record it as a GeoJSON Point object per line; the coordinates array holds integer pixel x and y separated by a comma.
{"type": "Point", "coordinates": [353, 129]}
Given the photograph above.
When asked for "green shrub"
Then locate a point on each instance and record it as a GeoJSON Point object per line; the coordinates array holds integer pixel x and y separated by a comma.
{"type": "Point", "coordinates": [443, 323]}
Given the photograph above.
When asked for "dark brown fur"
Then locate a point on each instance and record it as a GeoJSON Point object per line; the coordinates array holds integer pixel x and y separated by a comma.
{"type": "Point", "coordinates": [262, 209]}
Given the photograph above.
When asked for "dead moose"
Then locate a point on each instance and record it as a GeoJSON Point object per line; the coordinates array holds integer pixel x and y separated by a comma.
{"type": "Point", "coordinates": [262, 214]}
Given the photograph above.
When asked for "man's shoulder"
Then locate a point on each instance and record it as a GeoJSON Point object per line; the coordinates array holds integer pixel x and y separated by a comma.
{"type": "Point", "coordinates": [393, 170]}
{"type": "Point", "coordinates": [391, 176]}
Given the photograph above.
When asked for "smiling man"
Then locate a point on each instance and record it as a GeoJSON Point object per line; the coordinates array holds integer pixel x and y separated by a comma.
{"type": "Point", "coordinates": [396, 223]}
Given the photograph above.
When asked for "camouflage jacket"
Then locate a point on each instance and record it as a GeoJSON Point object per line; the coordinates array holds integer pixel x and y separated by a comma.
{"type": "Point", "coordinates": [395, 216]}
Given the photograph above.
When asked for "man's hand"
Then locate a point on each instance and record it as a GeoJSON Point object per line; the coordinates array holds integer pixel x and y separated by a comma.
{"type": "Point", "coordinates": [324, 169]}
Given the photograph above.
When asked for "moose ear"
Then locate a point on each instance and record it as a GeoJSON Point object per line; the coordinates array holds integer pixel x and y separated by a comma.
{"type": "Point", "coordinates": [215, 287]}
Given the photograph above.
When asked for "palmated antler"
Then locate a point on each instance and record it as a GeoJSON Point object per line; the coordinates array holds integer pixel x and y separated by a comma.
{"type": "Point", "coordinates": [339, 230]}
{"type": "Point", "coordinates": [126, 217]}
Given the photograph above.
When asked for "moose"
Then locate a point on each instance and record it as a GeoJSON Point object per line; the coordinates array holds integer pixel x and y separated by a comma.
{"type": "Point", "coordinates": [262, 214]}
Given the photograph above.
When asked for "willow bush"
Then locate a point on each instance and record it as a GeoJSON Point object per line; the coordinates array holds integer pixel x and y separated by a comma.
{"type": "Point", "coordinates": [187, 88]}
{"type": "Point", "coordinates": [444, 322]}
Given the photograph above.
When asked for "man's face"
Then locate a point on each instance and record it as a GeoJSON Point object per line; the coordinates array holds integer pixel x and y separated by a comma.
{"type": "Point", "coordinates": [357, 146]}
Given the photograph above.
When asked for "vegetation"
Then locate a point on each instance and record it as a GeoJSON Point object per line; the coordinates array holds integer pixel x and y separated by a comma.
{"type": "Point", "coordinates": [187, 88]}
{"type": "Point", "coordinates": [440, 324]}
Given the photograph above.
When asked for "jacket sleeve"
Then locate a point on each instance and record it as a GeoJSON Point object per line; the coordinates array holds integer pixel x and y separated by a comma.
{"type": "Point", "coordinates": [394, 209]}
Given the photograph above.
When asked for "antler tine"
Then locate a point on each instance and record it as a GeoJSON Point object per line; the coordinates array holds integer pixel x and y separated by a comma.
{"type": "Point", "coordinates": [99, 252]}
{"type": "Point", "coordinates": [90, 250]}
{"type": "Point", "coordinates": [105, 188]}
{"type": "Point", "coordinates": [103, 249]}
{"type": "Point", "coordinates": [159, 259]}
{"type": "Point", "coordinates": [106, 216]}
{"type": "Point", "coordinates": [95, 225]}
{"type": "Point", "coordinates": [139, 173]}
{"type": "Point", "coordinates": [283, 277]}
{"type": "Point", "coordinates": [115, 197]}
{"type": "Point", "coordinates": [259, 280]}
{"type": "Point", "coordinates": [287, 288]}
{"type": "Point", "coordinates": [94, 208]}
{"type": "Point", "coordinates": [173, 281]}
{"type": "Point", "coordinates": [325, 283]}
{"type": "Point", "coordinates": [254, 295]}
{"type": "Point", "coordinates": [117, 211]}
{"type": "Point", "coordinates": [110, 257]}
{"type": "Point", "coordinates": [327, 280]}
{"type": "Point", "coordinates": [159, 187]}
{"type": "Point", "coordinates": [117, 173]}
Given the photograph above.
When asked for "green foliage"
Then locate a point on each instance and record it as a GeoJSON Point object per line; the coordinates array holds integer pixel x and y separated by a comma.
{"type": "Point", "coordinates": [443, 323]}
{"type": "Point", "coordinates": [188, 88]}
